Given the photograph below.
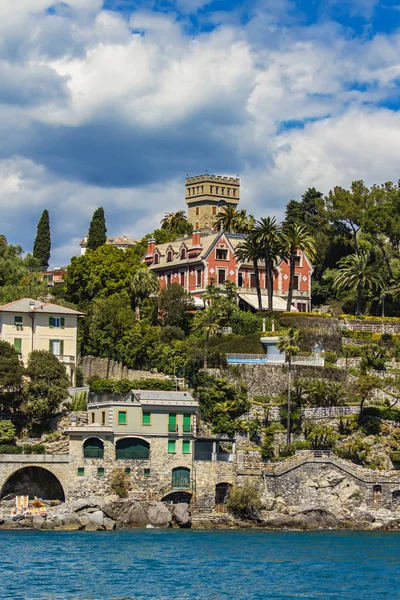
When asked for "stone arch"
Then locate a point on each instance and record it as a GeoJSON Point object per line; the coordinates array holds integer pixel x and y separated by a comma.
{"type": "Point", "coordinates": [132, 448]}
{"type": "Point", "coordinates": [33, 481]}
{"type": "Point", "coordinates": [222, 491]}
{"type": "Point", "coordinates": [180, 478]}
{"type": "Point", "coordinates": [177, 497]}
{"type": "Point", "coordinates": [93, 447]}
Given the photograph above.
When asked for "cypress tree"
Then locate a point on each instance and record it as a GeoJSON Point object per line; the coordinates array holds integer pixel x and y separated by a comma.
{"type": "Point", "coordinates": [97, 235]}
{"type": "Point", "coordinates": [42, 245]}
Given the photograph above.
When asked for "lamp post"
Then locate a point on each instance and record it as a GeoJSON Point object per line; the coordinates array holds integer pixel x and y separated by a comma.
{"type": "Point", "coordinates": [383, 304]}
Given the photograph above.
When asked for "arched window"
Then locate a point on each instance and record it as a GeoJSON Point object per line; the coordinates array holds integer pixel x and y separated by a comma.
{"type": "Point", "coordinates": [181, 477]}
{"type": "Point", "coordinates": [132, 448]}
{"type": "Point", "coordinates": [169, 256]}
{"type": "Point", "coordinates": [93, 448]}
{"type": "Point", "coordinates": [156, 259]}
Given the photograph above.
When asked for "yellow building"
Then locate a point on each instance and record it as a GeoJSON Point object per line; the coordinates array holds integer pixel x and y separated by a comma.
{"type": "Point", "coordinates": [206, 195]}
{"type": "Point", "coordinates": [30, 325]}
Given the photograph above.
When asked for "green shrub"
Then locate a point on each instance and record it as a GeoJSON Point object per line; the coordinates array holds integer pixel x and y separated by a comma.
{"type": "Point", "coordinates": [79, 377]}
{"type": "Point", "coordinates": [7, 432]}
{"type": "Point", "coordinates": [291, 449]}
{"type": "Point", "coordinates": [330, 357]}
{"type": "Point", "coordinates": [395, 456]}
{"type": "Point", "coordinates": [8, 449]}
{"type": "Point", "coordinates": [244, 501]}
{"type": "Point", "coordinates": [119, 482]}
{"type": "Point", "coordinates": [238, 344]}
{"type": "Point", "coordinates": [382, 412]}
{"type": "Point", "coordinates": [124, 386]}
{"type": "Point", "coordinates": [246, 323]}
{"type": "Point", "coordinates": [350, 351]}
{"type": "Point", "coordinates": [79, 401]}
{"type": "Point", "coordinates": [33, 449]}
{"type": "Point", "coordinates": [361, 335]}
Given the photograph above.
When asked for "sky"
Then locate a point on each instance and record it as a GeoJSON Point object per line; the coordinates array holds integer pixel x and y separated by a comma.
{"type": "Point", "coordinates": [113, 103]}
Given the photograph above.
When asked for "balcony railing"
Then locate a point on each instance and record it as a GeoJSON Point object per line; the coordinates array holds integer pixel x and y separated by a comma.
{"type": "Point", "coordinates": [65, 358]}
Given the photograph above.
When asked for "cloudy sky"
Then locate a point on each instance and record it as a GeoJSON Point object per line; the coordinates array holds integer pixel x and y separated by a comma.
{"type": "Point", "coordinates": [114, 102]}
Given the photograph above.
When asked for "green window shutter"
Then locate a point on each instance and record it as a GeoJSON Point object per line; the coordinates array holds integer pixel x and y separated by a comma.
{"type": "Point", "coordinates": [18, 345]}
{"type": "Point", "coordinates": [18, 321]}
{"type": "Point", "coordinates": [50, 345]}
{"type": "Point", "coordinates": [62, 320]}
{"type": "Point", "coordinates": [127, 470]}
{"type": "Point", "coordinates": [121, 417]}
{"type": "Point", "coordinates": [171, 446]}
{"type": "Point", "coordinates": [172, 422]}
{"type": "Point", "coordinates": [100, 471]}
{"type": "Point", "coordinates": [146, 418]}
{"type": "Point", "coordinates": [51, 322]}
{"type": "Point", "coordinates": [62, 347]}
{"type": "Point", "coordinates": [186, 424]}
{"type": "Point", "coordinates": [185, 446]}
{"type": "Point", "coordinates": [81, 471]}
{"type": "Point", "coordinates": [146, 472]}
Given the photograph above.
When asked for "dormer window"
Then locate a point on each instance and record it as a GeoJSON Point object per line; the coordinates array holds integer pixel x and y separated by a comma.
{"type": "Point", "coordinates": [169, 256]}
{"type": "Point", "coordinates": [221, 254]}
{"type": "Point", "coordinates": [156, 259]}
{"type": "Point", "coordinates": [183, 253]}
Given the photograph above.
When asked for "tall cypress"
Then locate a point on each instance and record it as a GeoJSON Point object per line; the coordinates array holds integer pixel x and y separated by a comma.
{"type": "Point", "coordinates": [42, 245]}
{"type": "Point", "coordinates": [97, 235]}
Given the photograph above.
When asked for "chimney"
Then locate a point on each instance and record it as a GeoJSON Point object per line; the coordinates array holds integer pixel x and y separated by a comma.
{"type": "Point", "coordinates": [32, 305]}
{"type": "Point", "coordinates": [151, 246]}
{"type": "Point", "coordinates": [196, 238]}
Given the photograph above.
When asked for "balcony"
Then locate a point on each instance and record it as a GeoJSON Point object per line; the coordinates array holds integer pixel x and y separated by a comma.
{"type": "Point", "coordinates": [66, 358]}
{"type": "Point", "coordinates": [218, 456]}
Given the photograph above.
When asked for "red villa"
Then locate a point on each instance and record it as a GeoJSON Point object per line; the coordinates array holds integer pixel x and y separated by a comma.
{"type": "Point", "coordinates": [194, 262]}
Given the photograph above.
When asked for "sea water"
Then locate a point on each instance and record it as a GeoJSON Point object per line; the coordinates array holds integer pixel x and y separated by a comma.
{"type": "Point", "coordinates": [189, 564]}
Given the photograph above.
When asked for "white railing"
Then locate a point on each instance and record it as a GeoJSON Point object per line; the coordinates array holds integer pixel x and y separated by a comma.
{"type": "Point", "coordinates": [65, 358]}
{"type": "Point", "coordinates": [316, 360]}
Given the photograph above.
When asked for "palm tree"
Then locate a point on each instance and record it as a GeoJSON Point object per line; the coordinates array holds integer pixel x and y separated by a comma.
{"type": "Point", "coordinates": [208, 321]}
{"type": "Point", "coordinates": [172, 220]}
{"type": "Point", "coordinates": [266, 233]}
{"type": "Point", "coordinates": [357, 273]}
{"type": "Point", "coordinates": [227, 219]}
{"type": "Point", "coordinates": [296, 237]}
{"type": "Point", "coordinates": [249, 250]}
{"type": "Point", "coordinates": [143, 284]}
{"type": "Point", "coordinates": [287, 343]}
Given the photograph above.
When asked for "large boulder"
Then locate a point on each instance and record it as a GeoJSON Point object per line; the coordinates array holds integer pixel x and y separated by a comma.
{"type": "Point", "coordinates": [97, 517]}
{"type": "Point", "coordinates": [67, 521]}
{"type": "Point", "coordinates": [109, 524]}
{"type": "Point", "coordinates": [127, 513]}
{"type": "Point", "coordinates": [181, 514]}
{"type": "Point", "coordinates": [159, 515]}
{"type": "Point", "coordinates": [37, 522]}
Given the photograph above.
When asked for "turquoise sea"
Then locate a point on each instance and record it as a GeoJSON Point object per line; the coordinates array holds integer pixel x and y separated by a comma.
{"type": "Point", "coordinates": [185, 564]}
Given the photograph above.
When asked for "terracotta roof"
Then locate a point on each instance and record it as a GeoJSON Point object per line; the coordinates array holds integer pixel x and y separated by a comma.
{"type": "Point", "coordinates": [29, 305]}
{"type": "Point", "coordinates": [115, 241]}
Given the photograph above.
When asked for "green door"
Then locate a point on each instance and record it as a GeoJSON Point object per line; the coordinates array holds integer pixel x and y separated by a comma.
{"type": "Point", "coordinates": [172, 422]}
{"type": "Point", "coordinates": [181, 477]}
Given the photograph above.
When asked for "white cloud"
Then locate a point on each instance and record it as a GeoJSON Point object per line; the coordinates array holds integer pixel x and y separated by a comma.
{"type": "Point", "coordinates": [102, 110]}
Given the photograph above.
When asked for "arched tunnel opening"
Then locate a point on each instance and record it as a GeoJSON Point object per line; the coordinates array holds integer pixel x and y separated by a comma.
{"type": "Point", "coordinates": [33, 481]}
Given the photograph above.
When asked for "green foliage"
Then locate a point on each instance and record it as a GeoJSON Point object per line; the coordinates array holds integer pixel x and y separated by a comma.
{"type": "Point", "coordinates": [244, 501]}
{"type": "Point", "coordinates": [355, 448]}
{"type": "Point", "coordinates": [124, 386]}
{"type": "Point", "coordinates": [382, 412]}
{"type": "Point", "coordinates": [348, 424]}
{"type": "Point", "coordinates": [320, 436]}
{"type": "Point", "coordinates": [8, 432]}
{"type": "Point", "coordinates": [24, 449]}
{"type": "Point", "coordinates": [325, 393]}
{"type": "Point", "coordinates": [97, 235]}
{"type": "Point", "coordinates": [79, 401]}
{"type": "Point", "coordinates": [246, 323]}
{"type": "Point", "coordinates": [119, 482]}
{"type": "Point", "coordinates": [291, 449]}
{"type": "Point", "coordinates": [175, 304]}
{"type": "Point", "coordinates": [11, 372]}
{"type": "Point", "coordinates": [47, 387]}
{"type": "Point", "coordinates": [395, 457]}
{"type": "Point", "coordinates": [42, 245]}
{"type": "Point", "coordinates": [101, 273]}
{"type": "Point", "coordinates": [248, 344]}
{"type": "Point", "coordinates": [352, 351]}
{"type": "Point", "coordinates": [170, 333]}
{"type": "Point", "coordinates": [330, 357]}
{"type": "Point", "coordinates": [221, 403]}
{"type": "Point", "coordinates": [374, 357]}
{"type": "Point", "coordinates": [79, 377]}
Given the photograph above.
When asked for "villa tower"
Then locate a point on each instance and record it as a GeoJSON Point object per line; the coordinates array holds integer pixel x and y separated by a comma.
{"type": "Point", "coordinates": [206, 195]}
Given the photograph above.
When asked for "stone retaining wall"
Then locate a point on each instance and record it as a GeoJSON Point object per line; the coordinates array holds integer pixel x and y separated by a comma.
{"type": "Point", "coordinates": [109, 369]}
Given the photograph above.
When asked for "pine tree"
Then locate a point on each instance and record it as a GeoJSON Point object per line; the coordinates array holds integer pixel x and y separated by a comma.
{"type": "Point", "coordinates": [97, 235]}
{"type": "Point", "coordinates": [42, 245]}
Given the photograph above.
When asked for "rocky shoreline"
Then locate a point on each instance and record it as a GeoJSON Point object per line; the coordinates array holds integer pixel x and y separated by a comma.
{"type": "Point", "coordinates": [108, 514]}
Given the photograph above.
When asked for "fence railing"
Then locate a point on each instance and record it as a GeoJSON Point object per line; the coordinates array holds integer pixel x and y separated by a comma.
{"type": "Point", "coordinates": [265, 359]}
